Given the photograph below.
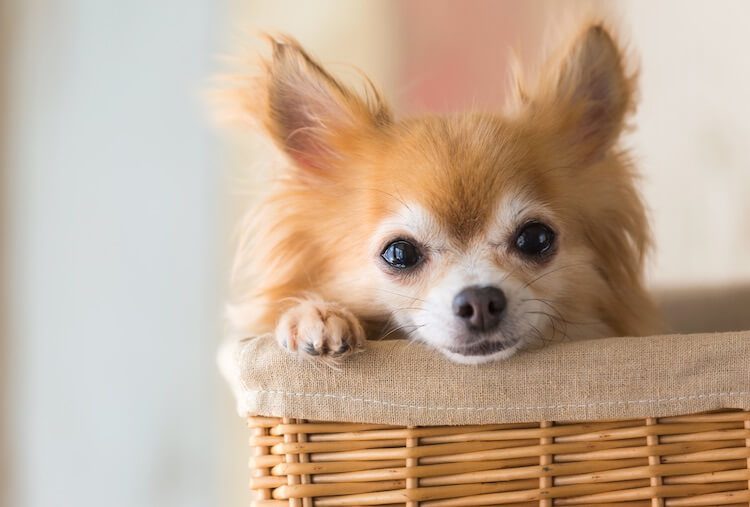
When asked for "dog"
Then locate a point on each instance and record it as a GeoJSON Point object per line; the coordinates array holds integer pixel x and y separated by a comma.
{"type": "Point", "coordinates": [478, 234]}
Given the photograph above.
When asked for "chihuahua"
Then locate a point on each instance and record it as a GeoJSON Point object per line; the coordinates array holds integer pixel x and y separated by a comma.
{"type": "Point", "coordinates": [479, 234]}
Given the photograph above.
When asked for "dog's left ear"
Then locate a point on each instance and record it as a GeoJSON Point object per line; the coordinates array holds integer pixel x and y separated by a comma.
{"type": "Point", "coordinates": [586, 98]}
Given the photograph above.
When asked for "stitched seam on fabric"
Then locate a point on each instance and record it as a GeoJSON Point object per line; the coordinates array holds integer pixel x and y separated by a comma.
{"type": "Point", "coordinates": [489, 409]}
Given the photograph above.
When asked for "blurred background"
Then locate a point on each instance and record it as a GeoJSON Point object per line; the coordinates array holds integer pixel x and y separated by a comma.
{"type": "Point", "coordinates": [118, 198]}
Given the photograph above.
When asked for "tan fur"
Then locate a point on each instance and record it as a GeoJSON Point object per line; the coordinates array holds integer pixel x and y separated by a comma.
{"type": "Point", "coordinates": [309, 253]}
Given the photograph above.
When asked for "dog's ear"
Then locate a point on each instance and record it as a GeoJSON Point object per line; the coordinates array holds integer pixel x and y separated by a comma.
{"type": "Point", "coordinates": [311, 116]}
{"type": "Point", "coordinates": [586, 96]}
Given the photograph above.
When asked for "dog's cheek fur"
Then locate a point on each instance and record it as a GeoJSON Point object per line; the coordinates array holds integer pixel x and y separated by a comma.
{"type": "Point", "coordinates": [613, 225]}
{"type": "Point", "coordinates": [580, 109]}
{"type": "Point", "coordinates": [604, 229]}
{"type": "Point", "coordinates": [306, 238]}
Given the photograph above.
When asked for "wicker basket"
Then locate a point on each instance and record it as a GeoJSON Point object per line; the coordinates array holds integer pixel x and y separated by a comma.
{"type": "Point", "coordinates": [402, 438]}
{"type": "Point", "coordinates": [672, 461]}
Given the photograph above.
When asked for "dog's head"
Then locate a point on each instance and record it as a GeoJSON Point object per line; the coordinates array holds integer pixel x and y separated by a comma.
{"type": "Point", "coordinates": [476, 233]}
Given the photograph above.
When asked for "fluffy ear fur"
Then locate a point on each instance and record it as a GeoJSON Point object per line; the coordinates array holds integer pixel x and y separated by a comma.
{"type": "Point", "coordinates": [310, 115]}
{"type": "Point", "coordinates": [586, 96]}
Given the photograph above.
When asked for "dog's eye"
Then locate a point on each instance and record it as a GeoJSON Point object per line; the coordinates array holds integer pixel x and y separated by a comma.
{"type": "Point", "coordinates": [401, 254]}
{"type": "Point", "coordinates": [535, 239]}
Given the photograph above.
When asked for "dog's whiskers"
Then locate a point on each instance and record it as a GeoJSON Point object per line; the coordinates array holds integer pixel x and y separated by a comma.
{"type": "Point", "coordinates": [400, 328]}
{"type": "Point", "coordinates": [539, 337]}
{"type": "Point", "coordinates": [553, 320]}
{"type": "Point", "coordinates": [559, 313]}
{"type": "Point", "coordinates": [405, 296]}
{"type": "Point", "coordinates": [417, 308]}
{"type": "Point", "coordinates": [551, 271]}
{"type": "Point", "coordinates": [409, 341]}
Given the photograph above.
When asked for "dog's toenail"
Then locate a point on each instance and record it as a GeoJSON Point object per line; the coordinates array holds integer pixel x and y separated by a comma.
{"type": "Point", "coordinates": [310, 349]}
{"type": "Point", "coordinates": [342, 350]}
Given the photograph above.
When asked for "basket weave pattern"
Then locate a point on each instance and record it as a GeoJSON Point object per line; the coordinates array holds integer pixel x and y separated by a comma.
{"type": "Point", "coordinates": [673, 461]}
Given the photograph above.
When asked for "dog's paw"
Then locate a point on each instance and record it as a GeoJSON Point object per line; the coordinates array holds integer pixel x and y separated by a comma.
{"type": "Point", "coordinates": [319, 329]}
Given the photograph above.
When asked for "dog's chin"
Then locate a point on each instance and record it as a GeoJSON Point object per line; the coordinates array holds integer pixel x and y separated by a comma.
{"type": "Point", "coordinates": [482, 352]}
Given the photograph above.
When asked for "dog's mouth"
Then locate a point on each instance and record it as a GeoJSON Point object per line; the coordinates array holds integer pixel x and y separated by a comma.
{"type": "Point", "coordinates": [482, 347]}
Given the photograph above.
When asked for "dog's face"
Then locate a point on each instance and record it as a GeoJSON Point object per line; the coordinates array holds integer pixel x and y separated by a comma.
{"type": "Point", "coordinates": [474, 250]}
{"type": "Point", "coordinates": [479, 234]}
{"type": "Point", "coordinates": [480, 245]}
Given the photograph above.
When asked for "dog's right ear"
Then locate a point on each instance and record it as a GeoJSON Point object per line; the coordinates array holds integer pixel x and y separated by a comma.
{"type": "Point", "coordinates": [310, 115]}
{"type": "Point", "coordinates": [585, 96]}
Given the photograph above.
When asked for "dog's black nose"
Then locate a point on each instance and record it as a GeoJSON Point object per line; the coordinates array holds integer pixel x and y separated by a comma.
{"type": "Point", "coordinates": [481, 308]}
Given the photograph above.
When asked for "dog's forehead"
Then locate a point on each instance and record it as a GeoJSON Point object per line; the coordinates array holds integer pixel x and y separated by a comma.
{"type": "Point", "coordinates": [428, 227]}
{"type": "Point", "coordinates": [462, 172]}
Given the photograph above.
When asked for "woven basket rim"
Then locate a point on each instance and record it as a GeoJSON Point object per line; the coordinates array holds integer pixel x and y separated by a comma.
{"type": "Point", "coordinates": [396, 382]}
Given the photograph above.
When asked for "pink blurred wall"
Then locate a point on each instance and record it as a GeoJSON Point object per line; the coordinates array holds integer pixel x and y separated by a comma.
{"type": "Point", "coordinates": [455, 55]}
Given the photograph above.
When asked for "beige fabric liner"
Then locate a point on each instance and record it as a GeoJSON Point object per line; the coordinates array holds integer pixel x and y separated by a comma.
{"type": "Point", "coordinates": [402, 383]}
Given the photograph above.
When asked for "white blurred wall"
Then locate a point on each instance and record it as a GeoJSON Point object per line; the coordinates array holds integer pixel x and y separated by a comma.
{"type": "Point", "coordinates": [115, 254]}
{"type": "Point", "coordinates": [693, 136]}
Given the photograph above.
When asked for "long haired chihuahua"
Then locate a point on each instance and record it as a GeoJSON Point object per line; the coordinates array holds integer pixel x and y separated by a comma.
{"type": "Point", "coordinates": [479, 234]}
